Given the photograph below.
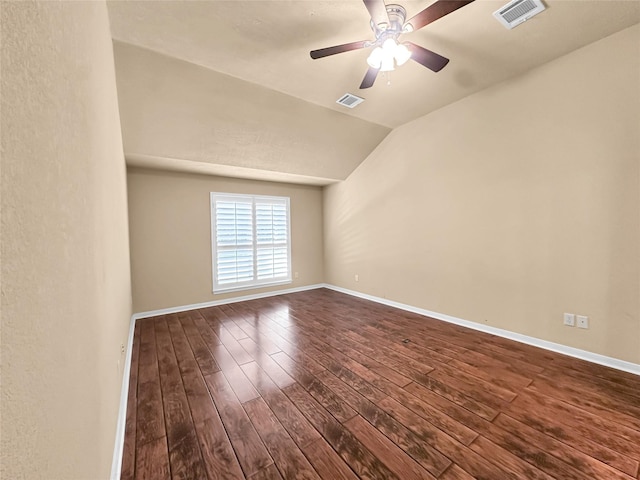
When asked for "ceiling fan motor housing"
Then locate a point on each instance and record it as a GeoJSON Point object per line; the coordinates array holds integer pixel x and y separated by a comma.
{"type": "Point", "coordinates": [397, 15]}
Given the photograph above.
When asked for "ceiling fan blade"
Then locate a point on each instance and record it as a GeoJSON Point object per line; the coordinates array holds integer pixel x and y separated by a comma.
{"type": "Point", "coordinates": [435, 11]}
{"type": "Point", "coordinates": [377, 10]}
{"type": "Point", "coordinates": [369, 78]}
{"type": "Point", "coordinates": [347, 47]}
{"type": "Point", "coordinates": [425, 57]}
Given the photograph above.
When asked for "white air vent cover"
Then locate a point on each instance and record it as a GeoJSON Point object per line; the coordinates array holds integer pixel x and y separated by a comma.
{"type": "Point", "coordinates": [349, 100]}
{"type": "Point", "coordinates": [518, 11]}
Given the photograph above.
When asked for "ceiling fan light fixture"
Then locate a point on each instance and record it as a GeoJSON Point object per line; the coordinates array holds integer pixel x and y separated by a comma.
{"type": "Point", "coordinates": [389, 47]}
{"type": "Point", "coordinates": [383, 57]}
{"type": "Point", "coordinates": [401, 54]}
{"type": "Point", "coordinates": [387, 64]}
{"type": "Point", "coordinates": [375, 58]}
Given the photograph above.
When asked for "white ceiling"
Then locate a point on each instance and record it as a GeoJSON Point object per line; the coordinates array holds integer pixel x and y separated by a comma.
{"type": "Point", "coordinates": [267, 43]}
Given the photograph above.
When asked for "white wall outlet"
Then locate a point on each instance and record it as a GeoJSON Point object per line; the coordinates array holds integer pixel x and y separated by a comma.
{"type": "Point", "coordinates": [295, 275]}
{"type": "Point", "coordinates": [583, 322]}
{"type": "Point", "coordinates": [357, 277]}
{"type": "Point", "coordinates": [569, 319]}
{"type": "Point", "coordinates": [122, 348]}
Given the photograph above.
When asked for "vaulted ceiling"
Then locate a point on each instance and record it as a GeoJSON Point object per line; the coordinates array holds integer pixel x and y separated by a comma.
{"type": "Point", "coordinates": [229, 88]}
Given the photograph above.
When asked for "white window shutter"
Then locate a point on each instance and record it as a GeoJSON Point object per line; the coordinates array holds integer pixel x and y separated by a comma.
{"type": "Point", "coordinates": [250, 240]}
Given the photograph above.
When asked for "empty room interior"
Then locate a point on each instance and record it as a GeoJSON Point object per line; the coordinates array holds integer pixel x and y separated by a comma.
{"type": "Point", "coordinates": [320, 239]}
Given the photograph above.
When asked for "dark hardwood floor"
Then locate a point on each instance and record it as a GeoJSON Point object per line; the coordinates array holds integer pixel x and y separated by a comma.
{"type": "Point", "coordinates": [322, 385]}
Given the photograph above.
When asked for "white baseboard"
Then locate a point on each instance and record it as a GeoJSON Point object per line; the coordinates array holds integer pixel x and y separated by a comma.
{"type": "Point", "coordinates": [215, 303]}
{"type": "Point", "coordinates": [536, 342]}
{"type": "Point", "coordinates": [116, 465]}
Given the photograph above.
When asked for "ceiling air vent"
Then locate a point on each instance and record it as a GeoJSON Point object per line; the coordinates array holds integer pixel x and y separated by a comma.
{"type": "Point", "coordinates": [349, 100]}
{"type": "Point", "coordinates": [518, 11]}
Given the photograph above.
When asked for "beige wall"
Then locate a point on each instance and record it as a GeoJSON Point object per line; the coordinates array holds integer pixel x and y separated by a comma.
{"type": "Point", "coordinates": [170, 224]}
{"type": "Point", "coordinates": [173, 109]}
{"type": "Point", "coordinates": [511, 206]}
{"type": "Point", "coordinates": [66, 294]}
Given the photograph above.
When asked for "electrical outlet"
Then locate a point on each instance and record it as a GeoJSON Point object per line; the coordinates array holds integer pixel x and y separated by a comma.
{"type": "Point", "coordinates": [583, 322]}
{"type": "Point", "coordinates": [569, 319]}
{"type": "Point", "coordinates": [122, 348]}
{"type": "Point", "coordinates": [295, 275]}
{"type": "Point", "coordinates": [357, 277]}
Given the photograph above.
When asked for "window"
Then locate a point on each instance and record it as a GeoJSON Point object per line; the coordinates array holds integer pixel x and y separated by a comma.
{"type": "Point", "coordinates": [251, 243]}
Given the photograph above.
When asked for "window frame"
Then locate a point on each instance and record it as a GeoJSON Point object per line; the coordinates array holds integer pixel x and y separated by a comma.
{"type": "Point", "coordinates": [255, 282]}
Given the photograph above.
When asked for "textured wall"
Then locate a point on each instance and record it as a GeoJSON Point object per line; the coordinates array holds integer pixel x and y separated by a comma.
{"type": "Point", "coordinates": [174, 109]}
{"type": "Point", "coordinates": [66, 296]}
{"type": "Point", "coordinates": [170, 222]}
{"type": "Point", "coordinates": [511, 206]}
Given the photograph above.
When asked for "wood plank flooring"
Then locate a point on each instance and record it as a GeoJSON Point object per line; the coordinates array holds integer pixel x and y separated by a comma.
{"type": "Point", "coordinates": [321, 385]}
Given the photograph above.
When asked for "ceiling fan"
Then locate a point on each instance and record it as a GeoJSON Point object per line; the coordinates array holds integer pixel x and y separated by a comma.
{"type": "Point", "coordinates": [388, 23]}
